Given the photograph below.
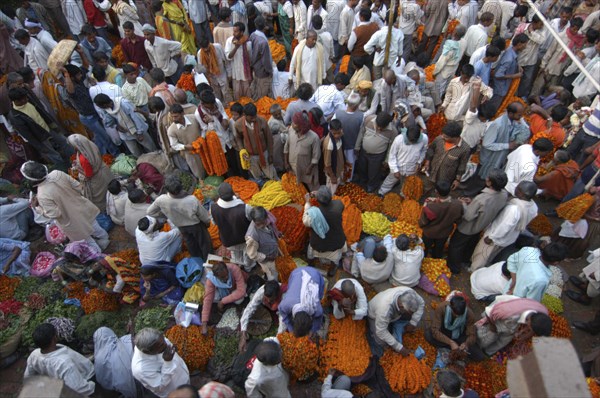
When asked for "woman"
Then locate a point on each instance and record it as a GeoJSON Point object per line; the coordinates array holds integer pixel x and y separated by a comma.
{"type": "Point", "coordinates": [159, 282]}
{"type": "Point", "coordinates": [285, 12]}
{"type": "Point", "coordinates": [163, 28]}
{"type": "Point", "coordinates": [176, 15]}
{"type": "Point", "coordinates": [117, 276]}
{"type": "Point", "coordinates": [126, 12]}
{"type": "Point", "coordinates": [112, 362]}
{"type": "Point", "coordinates": [75, 263]}
{"type": "Point", "coordinates": [94, 174]}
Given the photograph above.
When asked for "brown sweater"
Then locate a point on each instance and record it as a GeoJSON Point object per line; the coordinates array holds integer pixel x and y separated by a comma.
{"type": "Point", "coordinates": [363, 34]}
{"type": "Point", "coordinates": [264, 133]}
{"type": "Point", "coordinates": [438, 217]}
{"type": "Point", "coordinates": [438, 329]}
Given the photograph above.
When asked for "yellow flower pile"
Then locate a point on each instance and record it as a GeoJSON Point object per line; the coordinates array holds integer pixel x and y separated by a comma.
{"type": "Point", "coordinates": [375, 224]}
{"type": "Point", "coordinates": [434, 268]}
{"type": "Point", "coordinates": [271, 195]}
{"type": "Point", "coordinates": [400, 227]}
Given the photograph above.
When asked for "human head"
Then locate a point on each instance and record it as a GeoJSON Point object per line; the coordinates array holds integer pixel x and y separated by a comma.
{"type": "Point", "coordinates": [592, 36]}
{"type": "Point", "coordinates": [540, 324]}
{"type": "Point", "coordinates": [486, 19]}
{"type": "Point", "coordinates": [364, 14]}
{"type": "Point", "coordinates": [492, 53]}
{"type": "Point", "coordinates": [499, 43]}
{"type": "Point", "coordinates": [136, 195]}
{"type": "Point", "coordinates": [220, 271]}
{"type": "Point", "coordinates": [443, 188]}
{"type": "Point", "coordinates": [559, 113]}
{"type": "Point", "coordinates": [225, 192]}
{"type": "Point", "coordinates": [519, 42]}
{"type": "Point", "coordinates": [224, 14]}
{"type": "Point", "coordinates": [449, 383]}
{"type": "Point", "coordinates": [451, 132]}
{"type": "Point", "coordinates": [526, 190]}
{"type": "Point", "coordinates": [316, 4]}
{"type": "Point", "coordinates": [157, 75]}
{"type": "Point", "coordinates": [75, 72]}
{"type": "Point", "coordinates": [497, 179]}
{"type": "Point", "coordinates": [389, 76]}
{"type": "Point", "coordinates": [335, 129]}
{"type": "Point", "coordinates": [22, 37]}
{"type": "Point", "coordinates": [103, 101]}
{"type": "Point", "coordinates": [173, 184]}
{"type": "Point", "coordinates": [536, 22]}
{"type": "Point", "coordinates": [176, 114]}
{"type": "Point", "coordinates": [575, 25]}
{"type": "Point", "coordinates": [348, 289]}
{"type": "Point", "coordinates": [466, 73]}
{"type": "Point", "coordinates": [403, 242]}
{"type": "Point", "coordinates": [323, 195]}
{"type": "Point", "coordinates": [184, 391]}
{"type": "Point", "coordinates": [18, 96]}
{"type": "Point", "coordinates": [260, 24]}
{"type": "Point", "coordinates": [353, 101]}
{"type": "Point", "coordinates": [208, 99]}
{"type": "Point", "coordinates": [156, 105]}
{"type": "Point", "coordinates": [250, 112]}
{"type": "Point", "coordinates": [276, 111]}
{"type": "Point", "coordinates": [114, 187]}
{"type": "Point", "coordinates": [301, 122]}
{"type": "Point", "coordinates": [515, 110]}
{"type": "Point", "coordinates": [180, 96]}
{"type": "Point", "coordinates": [44, 336]}
{"type": "Point", "coordinates": [272, 291]}
{"type": "Point", "coordinates": [311, 38]}
{"type": "Point", "coordinates": [259, 216]}
{"type": "Point", "coordinates": [89, 32]}
{"type": "Point", "coordinates": [459, 32]}
{"type": "Point", "coordinates": [129, 30]}
{"type": "Point", "coordinates": [34, 171]}
{"type": "Point", "coordinates": [341, 80]}
{"type": "Point", "coordinates": [203, 42]}
{"type": "Point", "coordinates": [566, 13]}
{"type": "Point", "coordinates": [408, 302]}
{"type": "Point", "coordinates": [486, 111]}
{"type": "Point", "coordinates": [99, 73]}
{"type": "Point", "coordinates": [380, 254]}
{"type": "Point", "coordinates": [27, 77]}
{"type": "Point", "coordinates": [561, 156]}
{"type": "Point", "coordinates": [238, 30]}
{"type": "Point", "coordinates": [383, 120]}
{"type": "Point", "coordinates": [202, 87]}
{"type": "Point", "coordinates": [302, 324]}
{"type": "Point", "coordinates": [553, 253]}
{"type": "Point", "coordinates": [149, 224]}
{"type": "Point", "coordinates": [304, 91]}
{"type": "Point", "coordinates": [150, 341]}
{"type": "Point", "coordinates": [237, 111]}
{"type": "Point", "coordinates": [458, 305]}
{"type": "Point", "coordinates": [268, 353]}
{"type": "Point", "coordinates": [149, 33]}
{"type": "Point", "coordinates": [100, 59]}
{"type": "Point", "coordinates": [542, 147]}
{"type": "Point", "coordinates": [414, 75]}
{"type": "Point", "coordinates": [317, 22]}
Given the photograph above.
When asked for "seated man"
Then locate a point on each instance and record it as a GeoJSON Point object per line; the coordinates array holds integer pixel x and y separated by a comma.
{"type": "Point", "coordinates": [225, 284]}
{"type": "Point", "coordinates": [408, 256]}
{"type": "Point", "coordinates": [156, 365]}
{"type": "Point", "coordinates": [509, 317]}
{"type": "Point", "coordinates": [348, 298]}
{"type": "Point", "coordinates": [491, 281]}
{"type": "Point", "coordinates": [59, 362]}
{"type": "Point", "coordinates": [398, 309]}
{"type": "Point", "coordinates": [268, 295]}
{"type": "Point", "coordinates": [262, 242]}
{"type": "Point", "coordinates": [560, 179]}
{"type": "Point", "coordinates": [268, 378]}
{"type": "Point", "coordinates": [338, 388]}
{"type": "Point", "coordinates": [453, 326]}
{"type": "Point", "coordinates": [16, 218]}
{"type": "Point", "coordinates": [301, 309]}
{"type": "Point", "coordinates": [159, 282]}
{"type": "Point", "coordinates": [116, 198]}
{"type": "Point", "coordinates": [373, 263]}
{"type": "Point", "coordinates": [155, 244]}
{"type": "Point", "coordinates": [450, 385]}
{"type": "Point", "coordinates": [136, 208]}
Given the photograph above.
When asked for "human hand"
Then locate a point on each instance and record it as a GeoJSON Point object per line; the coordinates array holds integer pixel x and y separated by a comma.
{"type": "Point", "coordinates": [397, 175]}
{"type": "Point", "coordinates": [243, 342]}
{"type": "Point", "coordinates": [410, 328]}
{"type": "Point", "coordinates": [488, 241]}
{"type": "Point", "coordinates": [512, 145]}
{"type": "Point", "coordinates": [405, 352]}
{"type": "Point", "coordinates": [169, 353]}
{"type": "Point", "coordinates": [453, 346]}
{"type": "Point", "coordinates": [455, 184]}
{"type": "Point", "coordinates": [204, 329]}
{"type": "Point", "coordinates": [220, 306]}
{"type": "Point", "coordinates": [463, 347]}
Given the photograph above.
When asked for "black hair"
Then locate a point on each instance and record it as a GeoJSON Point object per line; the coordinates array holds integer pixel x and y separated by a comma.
{"type": "Point", "coordinates": [21, 34]}
{"type": "Point", "coordinates": [156, 5]}
{"type": "Point", "coordinates": [554, 252]}
{"type": "Point", "coordinates": [114, 187]}
{"type": "Point", "coordinates": [128, 25]}
{"type": "Point", "coordinates": [528, 189]}
{"type": "Point", "coordinates": [203, 86]}
{"type": "Point", "coordinates": [498, 179]}
{"type": "Point", "coordinates": [317, 22]}
{"type": "Point", "coordinates": [27, 73]}
{"type": "Point", "coordinates": [87, 29]}
{"type": "Point", "coordinates": [520, 39]}
{"type": "Point", "coordinates": [458, 304]}
{"type": "Point", "coordinates": [156, 104]}
{"type": "Point", "coordinates": [413, 134]}
{"type": "Point", "coordinates": [176, 108]}
{"type": "Point", "coordinates": [302, 324]}
{"type": "Point", "coordinates": [281, 65]}
{"type": "Point", "coordinates": [452, 129]}
{"type": "Point", "coordinates": [157, 75]}
{"type": "Point", "coordinates": [304, 91]}
{"type": "Point", "coordinates": [505, 270]}
{"type": "Point", "coordinates": [422, 60]}
{"type": "Point", "coordinates": [499, 43]}
{"type": "Point", "coordinates": [237, 107]}
{"type": "Point", "coordinates": [43, 335]}
{"type": "Point", "coordinates": [468, 70]}
{"type": "Point", "coordinates": [592, 35]}
{"type": "Point", "coordinates": [486, 110]}
{"type": "Point", "coordinates": [341, 78]}
{"type": "Point", "coordinates": [492, 51]}
{"type": "Point", "coordinates": [365, 14]}
{"type": "Point", "coordinates": [541, 324]}
{"type": "Point", "coordinates": [250, 109]}
{"type": "Point", "coordinates": [486, 17]}
{"type": "Point", "coordinates": [358, 62]}
{"type": "Point", "coordinates": [514, 107]}
{"type": "Point", "coordinates": [99, 56]}
{"type": "Point", "coordinates": [203, 42]}
{"type": "Point", "coordinates": [224, 13]}
{"type": "Point", "coordinates": [143, 223]}
{"type": "Point", "coordinates": [380, 254]}
{"type": "Point", "coordinates": [578, 22]}
{"type": "Point", "coordinates": [173, 184]}
{"type": "Point", "coordinates": [449, 382]}
{"type": "Point", "coordinates": [403, 242]}
{"type": "Point", "coordinates": [559, 112]}
{"type": "Point", "coordinates": [240, 25]}
{"type": "Point", "coordinates": [136, 195]}
{"type": "Point", "coordinates": [258, 213]}
{"type": "Point", "coordinates": [208, 97]}
{"type": "Point", "coordinates": [268, 352]}
{"type": "Point", "coordinates": [335, 124]}
{"type": "Point", "coordinates": [102, 100]}
{"type": "Point", "coordinates": [443, 188]}
{"type": "Point", "coordinates": [543, 145]}
{"type": "Point", "coordinates": [127, 68]}
{"type": "Point", "coordinates": [99, 73]}
{"type": "Point", "coordinates": [383, 119]}
{"type": "Point", "coordinates": [272, 289]}
{"type": "Point", "coordinates": [17, 93]}
{"type": "Point", "coordinates": [259, 23]}
{"type": "Point", "coordinates": [566, 9]}
{"type": "Point", "coordinates": [535, 19]}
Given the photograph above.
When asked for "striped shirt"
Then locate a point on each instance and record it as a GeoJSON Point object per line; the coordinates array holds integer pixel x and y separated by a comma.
{"type": "Point", "coordinates": [592, 125]}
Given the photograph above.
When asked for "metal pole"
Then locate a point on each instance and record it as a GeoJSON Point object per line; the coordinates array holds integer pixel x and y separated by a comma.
{"type": "Point", "coordinates": [564, 46]}
{"type": "Point", "coordinates": [388, 39]}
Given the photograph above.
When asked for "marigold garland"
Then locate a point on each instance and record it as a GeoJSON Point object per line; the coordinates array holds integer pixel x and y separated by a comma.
{"type": "Point", "coordinates": [335, 353]}
{"type": "Point", "coordinates": [8, 286]}
{"type": "Point", "coordinates": [352, 223]}
{"type": "Point", "coordinates": [375, 224]}
{"type": "Point", "coordinates": [277, 50]}
{"type": "Point", "coordinates": [540, 225]}
{"type": "Point", "coordinates": [186, 82]}
{"type": "Point", "coordinates": [429, 73]}
{"type": "Point", "coordinates": [300, 355]}
{"type": "Point", "coordinates": [452, 24]}
{"type": "Point", "coordinates": [213, 230]}
{"type": "Point", "coordinates": [554, 304]}
{"type": "Point", "coordinates": [344, 64]}
{"type": "Point", "coordinates": [108, 159]}
{"type": "Point", "coordinates": [271, 195]}
{"type": "Point", "coordinates": [433, 269]}
{"type": "Point", "coordinates": [434, 125]}
{"type": "Point", "coordinates": [487, 378]}
{"type": "Point", "coordinates": [289, 223]}
{"type": "Point", "coordinates": [129, 255]}
{"type": "Point", "coordinates": [575, 208]}
{"type": "Point", "coordinates": [244, 189]}
{"type": "Point", "coordinates": [509, 98]}
{"type": "Point", "coordinates": [99, 300]}
{"type": "Point", "coordinates": [215, 154]}
{"type": "Point", "coordinates": [400, 227]}
{"type": "Point", "coordinates": [593, 386]}
{"type": "Point", "coordinates": [199, 148]}
{"type": "Point", "coordinates": [284, 265]}
{"type": "Point", "coordinates": [410, 211]}
{"type": "Point", "coordinates": [560, 326]}
{"type": "Point", "coordinates": [118, 55]}
{"type": "Point", "coordinates": [353, 191]}
{"type": "Point", "coordinates": [412, 187]}
{"type": "Point", "coordinates": [417, 339]}
{"type": "Point", "coordinates": [406, 375]}
{"type": "Point", "coordinates": [391, 204]}
{"type": "Point", "coordinates": [370, 202]}
{"type": "Point", "coordinates": [75, 290]}
{"type": "Point", "coordinates": [295, 189]}
{"type": "Point", "coordinates": [195, 348]}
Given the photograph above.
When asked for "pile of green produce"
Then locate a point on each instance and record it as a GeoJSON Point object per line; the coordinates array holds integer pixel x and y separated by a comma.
{"type": "Point", "coordinates": [117, 321]}
{"type": "Point", "coordinates": [56, 310]}
{"type": "Point", "coordinates": [156, 317]}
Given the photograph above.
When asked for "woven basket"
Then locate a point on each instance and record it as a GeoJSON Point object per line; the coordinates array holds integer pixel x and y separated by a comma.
{"type": "Point", "coordinates": [60, 55]}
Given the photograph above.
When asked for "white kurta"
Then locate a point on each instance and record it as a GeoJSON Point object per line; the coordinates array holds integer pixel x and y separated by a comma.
{"type": "Point", "coordinates": [309, 63]}
{"type": "Point", "coordinates": [521, 165]}
{"type": "Point", "coordinates": [488, 280]}
{"type": "Point", "coordinates": [267, 381]}
{"type": "Point", "coordinates": [361, 308]}
{"type": "Point", "coordinates": [237, 61]}
{"type": "Point", "coordinates": [75, 15]}
{"type": "Point", "coordinates": [158, 245]}
{"type": "Point", "coordinates": [407, 266]}
{"type": "Point", "coordinates": [161, 54]}
{"type": "Point", "coordinates": [36, 56]}
{"type": "Point", "coordinates": [157, 375]}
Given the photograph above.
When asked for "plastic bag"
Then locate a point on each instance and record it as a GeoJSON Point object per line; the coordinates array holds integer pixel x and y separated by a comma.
{"type": "Point", "coordinates": [183, 317]}
{"type": "Point", "coordinates": [194, 294]}
{"type": "Point", "coordinates": [123, 165]}
{"type": "Point", "coordinates": [105, 222]}
{"type": "Point", "coordinates": [428, 285]}
{"type": "Point", "coordinates": [54, 234]}
{"type": "Point", "coordinates": [189, 271]}
{"type": "Point", "coordinates": [43, 264]}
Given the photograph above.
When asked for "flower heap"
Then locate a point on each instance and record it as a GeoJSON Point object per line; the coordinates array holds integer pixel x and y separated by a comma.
{"type": "Point", "coordinates": [290, 184]}
{"type": "Point", "coordinates": [7, 287]}
{"type": "Point", "coordinates": [352, 223]}
{"type": "Point", "coordinates": [435, 270]}
{"type": "Point", "coordinates": [406, 375]}
{"type": "Point", "coordinates": [575, 208]}
{"type": "Point", "coordinates": [277, 50]}
{"type": "Point", "coordinates": [344, 64]}
{"type": "Point", "coordinates": [211, 153]}
{"type": "Point", "coordinates": [370, 202]}
{"type": "Point", "coordinates": [540, 225]}
{"type": "Point", "coordinates": [560, 326]}
{"type": "Point", "coordinates": [434, 125]}
{"type": "Point", "coordinates": [553, 293]}
{"type": "Point", "coordinates": [353, 191]}
{"type": "Point", "coordinates": [289, 223]}
{"type": "Point", "coordinates": [400, 227]}
{"type": "Point", "coordinates": [375, 224]}
{"type": "Point", "coordinates": [417, 339]}
{"type": "Point", "coordinates": [413, 187]}
{"type": "Point", "coordinates": [300, 355]}
{"type": "Point", "coordinates": [593, 386]}
{"type": "Point", "coordinates": [487, 377]}
{"type": "Point", "coordinates": [346, 348]}
{"type": "Point", "coordinates": [244, 189]}
{"type": "Point", "coordinates": [271, 196]}
{"type": "Point", "coordinates": [194, 347]}
{"type": "Point", "coordinates": [410, 211]}
{"type": "Point", "coordinates": [99, 300]}
{"type": "Point", "coordinates": [391, 204]}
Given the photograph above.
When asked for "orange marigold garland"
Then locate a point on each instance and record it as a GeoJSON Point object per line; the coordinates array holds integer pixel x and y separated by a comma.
{"type": "Point", "coordinates": [277, 50]}
{"type": "Point", "coordinates": [406, 375]}
{"type": "Point", "coordinates": [213, 230]}
{"type": "Point", "coordinates": [289, 223]}
{"type": "Point", "coordinates": [99, 300]}
{"type": "Point", "coordinates": [296, 190]}
{"type": "Point", "coordinates": [434, 125]}
{"type": "Point", "coordinates": [199, 148]}
{"type": "Point", "coordinates": [433, 269]}
{"type": "Point", "coordinates": [370, 202]}
{"type": "Point", "coordinates": [540, 225]}
{"type": "Point", "coordinates": [391, 204]}
{"type": "Point", "coordinates": [353, 191]}
{"type": "Point", "coordinates": [412, 187]}
{"type": "Point", "coordinates": [195, 348]}
{"type": "Point", "coordinates": [129, 255]}
{"type": "Point", "coordinates": [593, 386]}
{"type": "Point", "coordinates": [509, 98]}
{"type": "Point", "coordinates": [335, 352]}
{"type": "Point", "coordinates": [75, 290]}
{"type": "Point", "coordinates": [186, 82]}
{"type": "Point", "coordinates": [429, 73]}
{"type": "Point", "coordinates": [344, 64]}
{"type": "Point", "coordinates": [118, 55]}
{"type": "Point", "coordinates": [300, 355]}
{"type": "Point", "coordinates": [215, 153]}
{"type": "Point", "coordinates": [575, 208]}
{"type": "Point", "coordinates": [7, 287]}
{"type": "Point", "coordinates": [352, 223]}
{"type": "Point", "coordinates": [410, 211]}
{"type": "Point", "coordinates": [244, 189]}
{"type": "Point", "coordinates": [417, 338]}
{"type": "Point", "coordinates": [284, 265]}
{"type": "Point", "coordinates": [560, 326]}
{"type": "Point", "coordinates": [487, 378]}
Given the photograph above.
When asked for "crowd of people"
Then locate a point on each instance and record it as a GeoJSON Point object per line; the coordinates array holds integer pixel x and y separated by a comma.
{"type": "Point", "coordinates": [487, 102]}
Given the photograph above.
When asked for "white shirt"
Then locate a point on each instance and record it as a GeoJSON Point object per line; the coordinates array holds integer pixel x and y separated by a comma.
{"type": "Point", "coordinates": [378, 40]}
{"type": "Point", "coordinates": [36, 56]}
{"type": "Point", "coordinates": [158, 245]}
{"type": "Point", "coordinates": [475, 38]}
{"type": "Point", "coordinates": [329, 99]}
{"type": "Point", "coordinates": [345, 27]}
{"type": "Point", "coordinates": [521, 165]}
{"type": "Point", "coordinates": [267, 381]}
{"type": "Point", "coordinates": [473, 129]}
{"type": "Point", "coordinates": [487, 281]}
{"type": "Point", "coordinates": [404, 157]}
{"type": "Point", "coordinates": [311, 12]}
{"type": "Point", "coordinates": [374, 18]}
{"type": "Point", "coordinates": [300, 20]}
{"type": "Point", "coordinates": [555, 24]}
{"type": "Point", "coordinates": [280, 84]}
{"type": "Point", "coordinates": [46, 40]}
{"type": "Point", "coordinates": [309, 65]}
{"type": "Point", "coordinates": [334, 10]}
{"type": "Point", "coordinates": [237, 61]}
{"type": "Point", "coordinates": [407, 266]}
{"type": "Point", "coordinates": [504, 229]}
{"type": "Point", "coordinates": [112, 90]}
{"type": "Point", "coordinates": [64, 364]}
{"type": "Point", "coordinates": [115, 206]}
{"type": "Point", "coordinates": [327, 391]}
{"type": "Point", "coordinates": [157, 375]}
{"type": "Point", "coordinates": [479, 54]}
{"type": "Point", "coordinates": [370, 270]}
{"type": "Point", "coordinates": [361, 307]}
{"type": "Point", "coordinates": [411, 16]}
{"type": "Point", "coordinates": [161, 54]}
{"type": "Point", "coordinates": [326, 41]}
{"type": "Point", "coordinates": [253, 305]}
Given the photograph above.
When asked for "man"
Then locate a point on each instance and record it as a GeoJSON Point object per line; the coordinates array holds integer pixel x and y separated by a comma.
{"type": "Point", "coordinates": [29, 10]}
{"type": "Point", "coordinates": [302, 151]}
{"type": "Point", "coordinates": [102, 86]}
{"type": "Point", "coordinates": [331, 97]}
{"type": "Point", "coordinates": [459, 92]}
{"type": "Point", "coordinates": [163, 54]}
{"type": "Point", "coordinates": [373, 262]}
{"type": "Point", "coordinates": [387, 92]}
{"type": "Point", "coordinates": [528, 58]}
{"type": "Point", "coordinates": [198, 11]}
{"type": "Point", "coordinates": [300, 309]}
{"type": "Point", "coordinates": [96, 17]}
{"type": "Point", "coordinates": [314, 9]}
{"type": "Point", "coordinates": [35, 55]}
{"type": "Point", "coordinates": [509, 318]}
{"type": "Point", "coordinates": [308, 62]}
{"type": "Point", "coordinates": [38, 128]}
{"type": "Point", "coordinates": [238, 50]}
{"type": "Point", "coordinates": [477, 35]}
{"type": "Point", "coordinates": [411, 17]}
{"type": "Point", "coordinates": [303, 103]}
{"type": "Point", "coordinates": [477, 118]}
{"type": "Point", "coordinates": [508, 68]}
{"type": "Point", "coordinates": [479, 54]}
{"type": "Point", "coordinates": [225, 284]}
{"type": "Point", "coordinates": [113, 75]}
{"type": "Point", "coordinates": [507, 226]}
{"type": "Point", "coordinates": [156, 364]}
{"type": "Point", "coordinates": [447, 157]}
{"type": "Point", "coordinates": [559, 181]}
{"type": "Point", "coordinates": [59, 198]}
{"type": "Point", "coordinates": [374, 140]}
{"type": "Point", "coordinates": [530, 270]}
{"type": "Point", "coordinates": [345, 24]}
{"type": "Point", "coordinates": [135, 209]}
{"type": "Point", "coordinates": [404, 157]}
{"type": "Point", "coordinates": [36, 31]}
{"type": "Point", "coordinates": [436, 14]}
{"type": "Point", "coordinates": [501, 137]}
{"type": "Point", "coordinates": [327, 240]}
{"type": "Point", "coordinates": [300, 21]}
{"type": "Point", "coordinates": [92, 43]}
{"type": "Point", "coordinates": [483, 67]}
{"type": "Point", "coordinates": [360, 36]}
{"type": "Point", "coordinates": [588, 287]}
{"type": "Point", "coordinates": [224, 29]}
{"type": "Point", "coordinates": [54, 8]}
{"type": "Point", "coordinates": [550, 123]}
{"type": "Point", "coordinates": [262, 243]}
{"type": "Point", "coordinates": [59, 362]}
{"type": "Point", "coordinates": [326, 40]}
{"type": "Point", "coordinates": [261, 61]}
{"type": "Point", "coordinates": [478, 215]}
{"type": "Point", "coordinates": [268, 295]}
{"type": "Point", "coordinates": [489, 282]}
{"type": "Point", "coordinates": [182, 133]}
{"type": "Point", "coordinates": [559, 25]}
{"type": "Point", "coordinates": [133, 47]}
{"type": "Point", "coordinates": [189, 216]}
{"type": "Point", "coordinates": [16, 217]}
{"type": "Point", "coordinates": [352, 120]}
{"type": "Point", "coordinates": [522, 163]}
{"type": "Point", "coordinates": [133, 129]}
{"type": "Point", "coordinates": [408, 256]}
{"type": "Point", "coordinates": [252, 133]}
{"type": "Point", "coordinates": [334, 163]}
{"type": "Point", "coordinates": [348, 299]}
{"type": "Point", "coordinates": [212, 61]}
{"type": "Point", "coordinates": [155, 244]}
{"type": "Point", "coordinates": [377, 45]}
{"type": "Point", "coordinates": [399, 309]}
{"type": "Point", "coordinates": [268, 378]}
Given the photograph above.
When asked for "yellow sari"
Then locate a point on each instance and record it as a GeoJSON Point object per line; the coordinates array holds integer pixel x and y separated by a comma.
{"type": "Point", "coordinates": [175, 13]}
{"type": "Point", "coordinates": [67, 116]}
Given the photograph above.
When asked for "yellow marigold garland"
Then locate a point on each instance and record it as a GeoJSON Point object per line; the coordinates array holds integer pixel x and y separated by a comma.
{"type": "Point", "coordinates": [272, 195]}
{"type": "Point", "coordinates": [186, 82]}
{"type": "Point", "coordinates": [118, 55]}
{"type": "Point", "coordinates": [575, 208]}
{"type": "Point", "coordinates": [593, 386]}
{"type": "Point", "coordinates": [284, 265]}
{"type": "Point", "coordinates": [195, 348]}
{"type": "Point", "coordinates": [375, 224]}
{"type": "Point", "coordinates": [434, 268]}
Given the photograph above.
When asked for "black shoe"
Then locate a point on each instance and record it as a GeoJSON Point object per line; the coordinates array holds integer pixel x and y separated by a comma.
{"type": "Point", "coordinates": [579, 297]}
{"type": "Point", "coordinates": [578, 282]}
{"type": "Point", "coordinates": [585, 326]}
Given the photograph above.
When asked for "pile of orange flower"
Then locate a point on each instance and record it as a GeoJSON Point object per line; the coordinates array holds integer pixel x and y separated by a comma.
{"type": "Point", "coordinates": [452, 24]}
{"type": "Point", "coordinates": [99, 300]}
{"type": "Point", "coordinates": [199, 195]}
{"type": "Point", "coordinates": [400, 227]}
{"type": "Point", "coordinates": [300, 355]}
{"type": "Point", "coordinates": [353, 191]}
{"type": "Point", "coordinates": [244, 189]}
{"type": "Point", "coordinates": [352, 223]}
{"type": "Point", "coordinates": [391, 204]}
{"type": "Point", "coordinates": [594, 387]}
{"type": "Point", "coordinates": [417, 339]}
{"type": "Point", "coordinates": [575, 208]}
{"type": "Point", "coordinates": [284, 265]}
{"type": "Point", "coordinates": [433, 269]}
{"type": "Point", "coordinates": [180, 256]}
{"type": "Point", "coordinates": [406, 375]}
{"type": "Point", "coordinates": [213, 230]}
{"type": "Point", "coordinates": [429, 73]}
{"type": "Point", "coordinates": [118, 56]}
{"type": "Point", "coordinates": [131, 256]}
{"type": "Point", "coordinates": [289, 223]}
{"type": "Point", "coordinates": [7, 287]}
{"type": "Point", "coordinates": [560, 326]}
{"type": "Point", "coordinates": [344, 64]}
{"type": "Point", "coordinates": [370, 202]}
{"type": "Point", "coordinates": [296, 190]}
{"type": "Point", "coordinates": [166, 227]}
{"type": "Point", "coordinates": [412, 187]}
{"type": "Point", "coordinates": [277, 50]}
{"type": "Point", "coordinates": [540, 225]}
{"type": "Point", "coordinates": [547, 135]}
{"type": "Point", "coordinates": [346, 348]}
{"type": "Point", "coordinates": [195, 348]}
{"type": "Point", "coordinates": [75, 290]}
{"type": "Point", "coordinates": [108, 159]}
{"type": "Point", "coordinates": [434, 125]}
{"type": "Point", "coordinates": [186, 82]}
{"type": "Point", "coordinates": [410, 211]}
{"type": "Point", "coordinates": [487, 378]}
{"type": "Point", "coordinates": [509, 98]}
{"type": "Point", "coordinates": [211, 153]}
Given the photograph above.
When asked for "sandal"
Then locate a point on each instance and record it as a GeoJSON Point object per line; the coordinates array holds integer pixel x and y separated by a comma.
{"type": "Point", "coordinates": [579, 297]}
{"type": "Point", "coordinates": [578, 282]}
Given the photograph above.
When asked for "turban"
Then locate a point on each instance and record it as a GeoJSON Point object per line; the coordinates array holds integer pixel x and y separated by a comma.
{"type": "Point", "coordinates": [31, 24]}
{"type": "Point", "coordinates": [151, 224]}
{"type": "Point", "coordinates": [301, 120]}
{"type": "Point", "coordinates": [365, 85]}
{"type": "Point", "coordinates": [26, 169]}
{"type": "Point", "coordinates": [148, 28]}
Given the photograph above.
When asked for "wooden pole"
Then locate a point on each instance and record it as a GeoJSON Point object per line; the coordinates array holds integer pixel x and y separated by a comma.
{"type": "Point", "coordinates": [388, 39]}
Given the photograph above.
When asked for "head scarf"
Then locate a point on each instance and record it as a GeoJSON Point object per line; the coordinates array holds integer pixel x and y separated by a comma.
{"type": "Point", "coordinates": [576, 41]}
{"type": "Point", "coordinates": [29, 24]}
{"type": "Point", "coordinates": [88, 149]}
{"type": "Point", "coordinates": [364, 85]}
{"type": "Point", "coordinates": [151, 225]}
{"type": "Point", "coordinates": [148, 28]}
{"type": "Point", "coordinates": [213, 389]}
{"type": "Point", "coordinates": [301, 120]}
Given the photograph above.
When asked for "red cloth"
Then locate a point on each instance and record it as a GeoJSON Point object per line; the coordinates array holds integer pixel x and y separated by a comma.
{"type": "Point", "coordinates": [336, 295]}
{"type": "Point", "coordinates": [135, 52]}
{"type": "Point", "coordinates": [538, 124]}
{"type": "Point", "coordinates": [560, 180]}
{"type": "Point", "coordinates": [87, 168]}
{"type": "Point", "coordinates": [94, 16]}
{"type": "Point", "coordinates": [150, 176]}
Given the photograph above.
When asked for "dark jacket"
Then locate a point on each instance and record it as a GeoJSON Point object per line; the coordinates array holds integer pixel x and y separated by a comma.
{"type": "Point", "coordinates": [335, 237]}
{"type": "Point", "coordinates": [447, 165]}
{"type": "Point", "coordinates": [438, 218]}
